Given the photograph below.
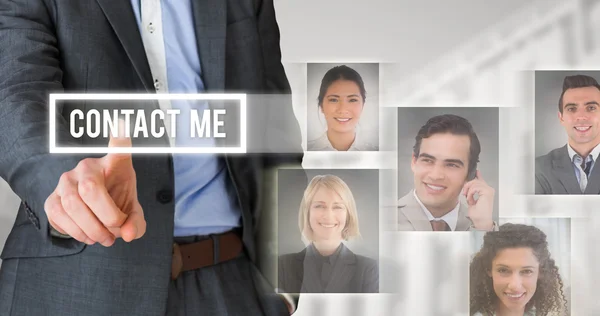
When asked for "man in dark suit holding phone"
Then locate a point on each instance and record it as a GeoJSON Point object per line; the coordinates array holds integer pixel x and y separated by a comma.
{"type": "Point", "coordinates": [446, 179]}
{"type": "Point", "coordinates": [142, 234]}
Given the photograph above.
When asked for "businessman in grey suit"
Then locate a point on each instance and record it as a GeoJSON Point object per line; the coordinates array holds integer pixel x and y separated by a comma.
{"type": "Point", "coordinates": [446, 179]}
{"type": "Point", "coordinates": [136, 235]}
{"type": "Point", "coordinates": [565, 170]}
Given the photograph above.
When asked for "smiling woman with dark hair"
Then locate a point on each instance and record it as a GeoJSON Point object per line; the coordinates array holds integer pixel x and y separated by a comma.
{"type": "Point", "coordinates": [514, 274]}
{"type": "Point", "coordinates": [342, 97]}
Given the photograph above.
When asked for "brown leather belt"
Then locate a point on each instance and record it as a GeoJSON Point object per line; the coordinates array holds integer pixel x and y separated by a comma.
{"type": "Point", "coordinates": [204, 253]}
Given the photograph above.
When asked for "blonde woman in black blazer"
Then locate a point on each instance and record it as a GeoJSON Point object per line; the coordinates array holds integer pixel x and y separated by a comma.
{"type": "Point", "coordinates": [328, 217]}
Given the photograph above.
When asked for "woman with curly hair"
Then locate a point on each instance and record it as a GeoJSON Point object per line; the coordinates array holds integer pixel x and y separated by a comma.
{"type": "Point", "coordinates": [513, 274]}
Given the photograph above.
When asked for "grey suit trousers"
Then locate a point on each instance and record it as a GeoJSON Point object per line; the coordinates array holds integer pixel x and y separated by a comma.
{"type": "Point", "coordinates": [229, 288]}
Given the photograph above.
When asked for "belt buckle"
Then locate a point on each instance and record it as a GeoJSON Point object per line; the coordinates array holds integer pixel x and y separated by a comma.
{"type": "Point", "coordinates": [176, 262]}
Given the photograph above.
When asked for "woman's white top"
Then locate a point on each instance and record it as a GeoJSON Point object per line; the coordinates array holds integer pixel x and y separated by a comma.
{"type": "Point", "coordinates": [322, 144]}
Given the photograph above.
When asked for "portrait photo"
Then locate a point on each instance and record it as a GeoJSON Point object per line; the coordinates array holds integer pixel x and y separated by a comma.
{"type": "Point", "coordinates": [328, 231]}
{"type": "Point", "coordinates": [342, 107]}
{"type": "Point", "coordinates": [521, 269]}
{"type": "Point", "coordinates": [447, 169]}
{"type": "Point", "coordinates": [567, 132]}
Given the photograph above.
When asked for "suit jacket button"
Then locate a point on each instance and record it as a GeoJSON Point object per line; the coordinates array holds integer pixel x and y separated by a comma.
{"type": "Point", "coordinates": [164, 196]}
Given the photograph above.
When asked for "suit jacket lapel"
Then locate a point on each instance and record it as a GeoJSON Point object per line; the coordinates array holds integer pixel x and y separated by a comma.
{"type": "Point", "coordinates": [411, 208]}
{"type": "Point", "coordinates": [343, 271]}
{"type": "Point", "coordinates": [210, 21]}
{"type": "Point", "coordinates": [121, 18]}
{"type": "Point", "coordinates": [463, 223]}
{"type": "Point", "coordinates": [210, 18]}
{"type": "Point", "coordinates": [311, 279]}
{"type": "Point", "coordinates": [593, 186]}
{"type": "Point", "coordinates": [563, 169]}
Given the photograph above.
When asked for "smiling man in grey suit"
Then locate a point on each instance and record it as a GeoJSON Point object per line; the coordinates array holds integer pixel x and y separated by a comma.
{"type": "Point", "coordinates": [564, 170]}
{"type": "Point", "coordinates": [444, 164]}
{"type": "Point", "coordinates": [148, 234]}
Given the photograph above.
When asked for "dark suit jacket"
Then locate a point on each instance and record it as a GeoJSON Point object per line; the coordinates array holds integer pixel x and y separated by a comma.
{"type": "Point", "coordinates": [95, 46]}
{"type": "Point", "coordinates": [298, 273]}
{"type": "Point", "coordinates": [555, 174]}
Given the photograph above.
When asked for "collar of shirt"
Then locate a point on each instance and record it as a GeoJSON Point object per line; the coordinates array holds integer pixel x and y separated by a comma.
{"type": "Point", "coordinates": [451, 218]}
{"type": "Point", "coordinates": [594, 153]}
{"type": "Point", "coordinates": [331, 258]}
{"type": "Point", "coordinates": [323, 144]}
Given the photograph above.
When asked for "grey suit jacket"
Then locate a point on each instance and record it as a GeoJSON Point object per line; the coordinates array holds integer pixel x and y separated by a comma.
{"type": "Point", "coordinates": [411, 216]}
{"type": "Point", "coordinates": [555, 174]}
{"type": "Point", "coordinates": [95, 46]}
{"type": "Point", "coordinates": [352, 273]}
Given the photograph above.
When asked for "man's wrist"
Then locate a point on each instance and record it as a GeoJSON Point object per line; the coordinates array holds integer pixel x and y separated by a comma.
{"type": "Point", "coordinates": [485, 225]}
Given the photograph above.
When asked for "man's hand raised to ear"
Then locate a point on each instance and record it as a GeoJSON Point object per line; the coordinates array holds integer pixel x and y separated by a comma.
{"type": "Point", "coordinates": [480, 211]}
{"type": "Point", "coordinates": [97, 201]}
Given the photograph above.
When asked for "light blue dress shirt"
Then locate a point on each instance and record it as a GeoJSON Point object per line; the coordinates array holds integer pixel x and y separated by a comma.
{"type": "Point", "coordinates": [205, 200]}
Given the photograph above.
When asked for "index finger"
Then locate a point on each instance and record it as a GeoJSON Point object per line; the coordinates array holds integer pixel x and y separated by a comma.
{"type": "Point", "coordinates": [467, 185]}
{"type": "Point", "coordinates": [479, 176]}
{"type": "Point", "coordinates": [93, 193]}
{"type": "Point", "coordinates": [117, 142]}
{"type": "Point", "coordinates": [119, 146]}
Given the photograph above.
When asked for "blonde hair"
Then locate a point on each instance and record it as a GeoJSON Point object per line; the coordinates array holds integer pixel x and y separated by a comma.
{"type": "Point", "coordinates": [341, 188]}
